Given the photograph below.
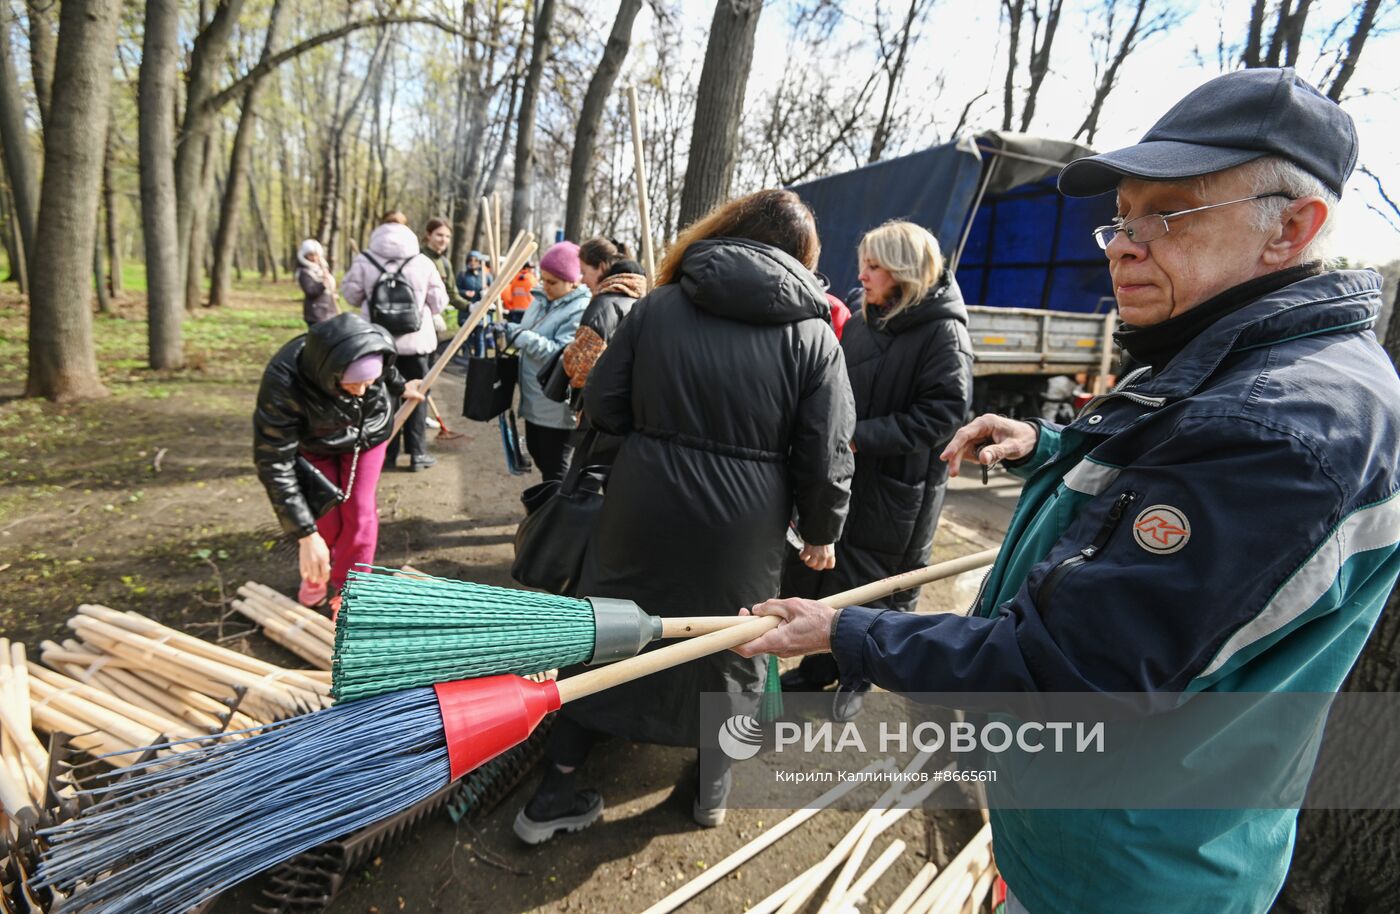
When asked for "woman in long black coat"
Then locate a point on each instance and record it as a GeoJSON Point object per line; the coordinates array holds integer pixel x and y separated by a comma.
{"type": "Point", "coordinates": [729, 389]}
{"type": "Point", "coordinates": [909, 357]}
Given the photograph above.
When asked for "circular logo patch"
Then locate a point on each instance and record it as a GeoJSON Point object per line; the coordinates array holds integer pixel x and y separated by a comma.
{"type": "Point", "coordinates": [1161, 529]}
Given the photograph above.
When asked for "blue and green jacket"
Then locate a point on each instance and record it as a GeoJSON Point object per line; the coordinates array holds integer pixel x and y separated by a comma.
{"type": "Point", "coordinates": [1229, 525]}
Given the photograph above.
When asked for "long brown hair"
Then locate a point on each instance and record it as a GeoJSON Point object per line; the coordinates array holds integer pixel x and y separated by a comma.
{"type": "Point", "coordinates": [776, 217]}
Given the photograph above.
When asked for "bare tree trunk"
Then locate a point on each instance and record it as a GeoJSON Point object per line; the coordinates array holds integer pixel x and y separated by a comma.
{"type": "Point", "coordinates": [199, 229]}
{"type": "Point", "coordinates": [14, 135]}
{"type": "Point", "coordinates": [1013, 10]}
{"type": "Point", "coordinates": [8, 233]}
{"type": "Point", "coordinates": [205, 60]}
{"type": "Point", "coordinates": [62, 358]}
{"type": "Point", "coordinates": [1293, 32]}
{"type": "Point", "coordinates": [263, 233]}
{"type": "Point", "coordinates": [159, 221]}
{"type": "Point", "coordinates": [291, 225]}
{"type": "Point", "coordinates": [892, 62]}
{"type": "Point", "coordinates": [104, 297]}
{"type": "Point", "coordinates": [1108, 79]}
{"type": "Point", "coordinates": [227, 235]}
{"type": "Point", "coordinates": [1254, 44]}
{"type": "Point", "coordinates": [333, 217]}
{"type": "Point", "coordinates": [719, 107]}
{"type": "Point", "coordinates": [1040, 55]}
{"type": "Point", "coordinates": [522, 201]}
{"type": "Point", "coordinates": [594, 101]}
{"type": "Point", "coordinates": [42, 44]}
{"type": "Point", "coordinates": [109, 206]}
{"type": "Point", "coordinates": [1364, 21]}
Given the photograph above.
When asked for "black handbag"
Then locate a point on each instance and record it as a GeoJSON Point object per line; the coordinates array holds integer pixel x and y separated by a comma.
{"type": "Point", "coordinates": [554, 381]}
{"type": "Point", "coordinates": [559, 518]}
{"type": "Point", "coordinates": [490, 386]}
{"type": "Point", "coordinates": [320, 493]}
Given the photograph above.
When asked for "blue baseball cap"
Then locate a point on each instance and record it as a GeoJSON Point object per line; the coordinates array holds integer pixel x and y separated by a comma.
{"type": "Point", "coordinates": [1231, 120]}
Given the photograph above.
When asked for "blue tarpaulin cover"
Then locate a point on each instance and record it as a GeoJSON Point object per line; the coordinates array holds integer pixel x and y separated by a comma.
{"type": "Point", "coordinates": [1029, 247]}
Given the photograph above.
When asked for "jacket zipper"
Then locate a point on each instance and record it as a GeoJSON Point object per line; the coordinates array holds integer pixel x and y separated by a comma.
{"type": "Point", "coordinates": [1120, 391]}
{"type": "Point", "coordinates": [976, 607]}
{"type": "Point", "coordinates": [1087, 554]}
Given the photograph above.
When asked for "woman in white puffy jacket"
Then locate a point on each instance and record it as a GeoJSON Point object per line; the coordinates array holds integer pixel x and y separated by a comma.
{"type": "Point", "coordinates": [394, 244]}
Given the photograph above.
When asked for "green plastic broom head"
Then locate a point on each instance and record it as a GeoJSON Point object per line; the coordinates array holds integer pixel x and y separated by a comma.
{"type": "Point", "coordinates": [399, 631]}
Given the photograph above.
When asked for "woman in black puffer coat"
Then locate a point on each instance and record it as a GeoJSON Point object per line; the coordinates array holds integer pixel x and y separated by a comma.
{"type": "Point", "coordinates": [329, 396]}
{"type": "Point", "coordinates": [728, 388]}
{"type": "Point", "coordinates": [909, 358]}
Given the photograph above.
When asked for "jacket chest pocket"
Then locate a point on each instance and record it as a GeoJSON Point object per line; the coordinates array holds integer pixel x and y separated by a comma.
{"type": "Point", "coordinates": [1067, 566]}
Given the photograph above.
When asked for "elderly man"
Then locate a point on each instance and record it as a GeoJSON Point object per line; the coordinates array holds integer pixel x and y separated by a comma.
{"type": "Point", "coordinates": [1225, 519]}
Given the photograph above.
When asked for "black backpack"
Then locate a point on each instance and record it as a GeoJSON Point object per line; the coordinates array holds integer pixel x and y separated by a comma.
{"type": "Point", "coordinates": [391, 301]}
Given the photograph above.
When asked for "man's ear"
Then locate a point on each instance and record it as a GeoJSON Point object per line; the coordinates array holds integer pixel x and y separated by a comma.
{"type": "Point", "coordinates": [1302, 220]}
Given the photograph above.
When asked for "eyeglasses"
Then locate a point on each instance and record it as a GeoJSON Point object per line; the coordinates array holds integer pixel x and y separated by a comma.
{"type": "Point", "coordinates": [1154, 225]}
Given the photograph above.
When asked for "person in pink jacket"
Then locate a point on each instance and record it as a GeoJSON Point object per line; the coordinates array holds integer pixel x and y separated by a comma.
{"type": "Point", "coordinates": [390, 245]}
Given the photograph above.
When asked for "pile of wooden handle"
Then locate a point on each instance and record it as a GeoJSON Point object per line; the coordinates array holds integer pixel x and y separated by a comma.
{"type": "Point", "coordinates": [960, 888]}
{"type": "Point", "coordinates": [127, 681]}
{"type": "Point", "coordinates": [304, 632]}
{"type": "Point", "coordinates": [23, 759]}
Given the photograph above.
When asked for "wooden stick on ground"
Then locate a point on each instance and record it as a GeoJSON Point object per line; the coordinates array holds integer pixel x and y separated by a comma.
{"type": "Point", "coordinates": [974, 856]}
{"type": "Point", "coordinates": [872, 874]}
{"type": "Point", "coordinates": [913, 890]}
{"type": "Point", "coordinates": [149, 628]}
{"type": "Point", "coordinates": [741, 856]}
{"type": "Point", "coordinates": [319, 625]}
{"type": "Point", "coordinates": [795, 893]}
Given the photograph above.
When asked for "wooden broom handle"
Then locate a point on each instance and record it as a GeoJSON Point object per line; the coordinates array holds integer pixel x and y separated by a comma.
{"type": "Point", "coordinates": [616, 674]}
{"type": "Point", "coordinates": [493, 292]}
{"type": "Point", "coordinates": [909, 579]}
{"type": "Point", "coordinates": [703, 625]}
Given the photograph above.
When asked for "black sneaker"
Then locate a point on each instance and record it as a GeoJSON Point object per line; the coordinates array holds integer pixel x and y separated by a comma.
{"type": "Point", "coordinates": [557, 807]}
{"type": "Point", "coordinates": [797, 680]}
{"type": "Point", "coordinates": [422, 462]}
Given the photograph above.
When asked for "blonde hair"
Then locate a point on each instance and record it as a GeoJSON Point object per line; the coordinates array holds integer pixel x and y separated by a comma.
{"type": "Point", "coordinates": [912, 257]}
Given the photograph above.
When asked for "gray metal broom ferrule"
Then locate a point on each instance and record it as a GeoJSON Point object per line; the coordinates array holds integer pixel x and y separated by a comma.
{"type": "Point", "coordinates": [620, 629]}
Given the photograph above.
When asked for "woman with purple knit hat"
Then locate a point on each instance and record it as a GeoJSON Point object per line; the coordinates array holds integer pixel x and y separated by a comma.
{"type": "Point", "coordinates": [548, 326]}
{"type": "Point", "coordinates": [325, 410]}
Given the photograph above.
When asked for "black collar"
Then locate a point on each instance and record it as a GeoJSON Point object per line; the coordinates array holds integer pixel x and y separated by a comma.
{"type": "Point", "coordinates": [1158, 344]}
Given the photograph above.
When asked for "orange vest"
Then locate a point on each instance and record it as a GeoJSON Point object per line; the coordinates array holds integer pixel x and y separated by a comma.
{"type": "Point", "coordinates": [517, 295]}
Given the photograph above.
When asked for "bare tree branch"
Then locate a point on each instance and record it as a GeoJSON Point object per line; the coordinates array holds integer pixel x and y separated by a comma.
{"type": "Point", "coordinates": [1364, 23]}
{"type": "Point", "coordinates": [232, 91]}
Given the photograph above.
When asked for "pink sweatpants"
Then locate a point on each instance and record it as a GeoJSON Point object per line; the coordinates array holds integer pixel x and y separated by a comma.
{"type": "Point", "coordinates": [351, 530]}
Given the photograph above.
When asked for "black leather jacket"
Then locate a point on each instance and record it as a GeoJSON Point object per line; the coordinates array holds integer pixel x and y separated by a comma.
{"type": "Point", "coordinates": [301, 407]}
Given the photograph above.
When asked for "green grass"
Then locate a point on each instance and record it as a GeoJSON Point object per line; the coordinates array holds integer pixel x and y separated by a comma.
{"type": "Point", "coordinates": [229, 344]}
{"type": "Point", "coordinates": [133, 276]}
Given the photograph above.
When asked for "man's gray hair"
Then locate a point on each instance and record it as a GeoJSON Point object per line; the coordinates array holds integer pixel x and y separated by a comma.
{"type": "Point", "coordinates": [1274, 173]}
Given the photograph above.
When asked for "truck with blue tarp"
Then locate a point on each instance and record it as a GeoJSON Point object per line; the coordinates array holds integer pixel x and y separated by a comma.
{"type": "Point", "coordinates": [1040, 301]}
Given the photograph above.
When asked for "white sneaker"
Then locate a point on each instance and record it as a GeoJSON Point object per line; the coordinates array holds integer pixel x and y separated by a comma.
{"type": "Point", "coordinates": [432, 423]}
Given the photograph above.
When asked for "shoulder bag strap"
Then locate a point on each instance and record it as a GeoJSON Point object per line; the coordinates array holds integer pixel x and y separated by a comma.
{"type": "Point", "coordinates": [580, 462]}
